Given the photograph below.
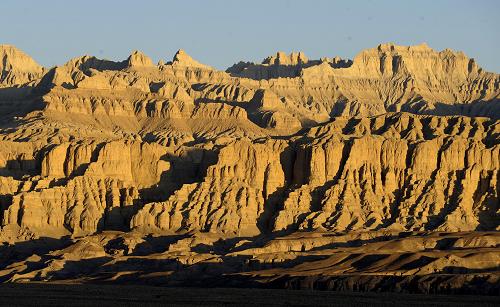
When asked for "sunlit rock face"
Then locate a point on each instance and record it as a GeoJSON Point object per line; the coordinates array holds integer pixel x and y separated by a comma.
{"type": "Point", "coordinates": [293, 151]}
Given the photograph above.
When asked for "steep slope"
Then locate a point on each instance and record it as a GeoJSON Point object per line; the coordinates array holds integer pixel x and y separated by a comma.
{"type": "Point", "coordinates": [181, 162]}
{"type": "Point", "coordinates": [17, 67]}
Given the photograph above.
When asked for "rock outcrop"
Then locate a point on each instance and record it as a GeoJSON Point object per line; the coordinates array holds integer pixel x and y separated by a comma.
{"type": "Point", "coordinates": [138, 59]}
{"type": "Point", "coordinates": [182, 59]}
{"type": "Point", "coordinates": [264, 162]}
{"type": "Point", "coordinates": [17, 67]}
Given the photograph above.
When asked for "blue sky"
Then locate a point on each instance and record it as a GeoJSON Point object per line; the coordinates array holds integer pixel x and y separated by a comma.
{"type": "Point", "coordinates": [220, 33]}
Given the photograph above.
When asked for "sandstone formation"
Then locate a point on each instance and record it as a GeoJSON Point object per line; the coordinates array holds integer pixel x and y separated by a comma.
{"type": "Point", "coordinates": [273, 163]}
{"type": "Point", "coordinates": [17, 68]}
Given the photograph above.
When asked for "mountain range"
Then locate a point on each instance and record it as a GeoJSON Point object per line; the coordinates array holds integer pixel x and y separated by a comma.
{"type": "Point", "coordinates": [380, 172]}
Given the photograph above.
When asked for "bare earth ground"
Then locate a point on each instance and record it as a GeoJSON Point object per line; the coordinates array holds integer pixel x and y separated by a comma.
{"type": "Point", "coordinates": [406, 262]}
{"type": "Point", "coordinates": [49, 294]}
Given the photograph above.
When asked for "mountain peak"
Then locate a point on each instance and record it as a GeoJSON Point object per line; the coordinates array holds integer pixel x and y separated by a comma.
{"type": "Point", "coordinates": [16, 66]}
{"type": "Point", "coordinates": [181, 58]}
{"type": "Point", "coordinates": [387, 47]}
{"type": "Point", "coordinates": [281, 58]}
{"type": "Point", "coordinates": [139, 59]}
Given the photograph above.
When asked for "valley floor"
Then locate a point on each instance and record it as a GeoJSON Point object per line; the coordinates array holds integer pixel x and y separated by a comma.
{"type": "Point", "coordinates": [48, 294]}
{"type": "Point", "coordinates": [462, 263]}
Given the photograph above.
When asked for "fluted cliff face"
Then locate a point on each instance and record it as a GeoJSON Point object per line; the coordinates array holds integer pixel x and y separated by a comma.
{"type": "Point", "coordinates": [110, 138]}
{"type": "Point", "coordinates": [230, 199]}
{"type": "Point", "coordinates": [399, 140]}
{"type": "Point", "coordinates": [83, 188]}
{"type": "Point", "coordinates": [397, 172]}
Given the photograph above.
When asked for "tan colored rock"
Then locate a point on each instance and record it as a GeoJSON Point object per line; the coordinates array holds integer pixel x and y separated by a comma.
{"type": "Point", "coordinates": [290, 144]}
{"type": "Point", "coordinates": [267, 100]}
{"type": "Point", "coordinates": [230, 199]}
{"type": "Point", "coordinates": [17, 67]}
{"type": "Point", "coordinates": [281, 58]}
{"type": "Point", "coordinates": [182, 59]}
{"type": "Point", "coordinates": [138, 59]}
{"type": "Point", "coordinates": [338, 173]}
{"type": "Point", "coordinates": [99, 177]}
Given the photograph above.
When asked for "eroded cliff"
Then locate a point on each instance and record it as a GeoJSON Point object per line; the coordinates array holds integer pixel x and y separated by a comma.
{"type": "Point", "coordinates": [398, 140]}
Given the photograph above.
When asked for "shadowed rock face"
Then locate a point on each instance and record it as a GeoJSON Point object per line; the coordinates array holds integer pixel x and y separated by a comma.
{"type": "Point", "coordinates": [186, 163]}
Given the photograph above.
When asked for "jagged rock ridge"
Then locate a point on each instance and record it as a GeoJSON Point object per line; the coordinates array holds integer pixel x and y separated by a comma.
{"type": "Point", "coordinates": [398, 140]}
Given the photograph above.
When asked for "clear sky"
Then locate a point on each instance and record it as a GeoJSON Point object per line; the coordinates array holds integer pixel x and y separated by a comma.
{"type": "Point", "coordinates": [220, 33]}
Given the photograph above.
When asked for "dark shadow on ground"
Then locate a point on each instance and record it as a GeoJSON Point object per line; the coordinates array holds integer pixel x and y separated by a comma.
{"type": "Point", "coordinates": [150, 264]}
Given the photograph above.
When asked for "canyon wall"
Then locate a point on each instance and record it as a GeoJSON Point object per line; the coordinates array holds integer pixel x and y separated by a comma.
{"type": "Point", "coordinates": [291, 144]}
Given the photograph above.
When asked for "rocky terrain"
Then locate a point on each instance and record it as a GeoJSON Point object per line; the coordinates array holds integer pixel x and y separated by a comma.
{"type": "Point", "coordinates": [378, 173]}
